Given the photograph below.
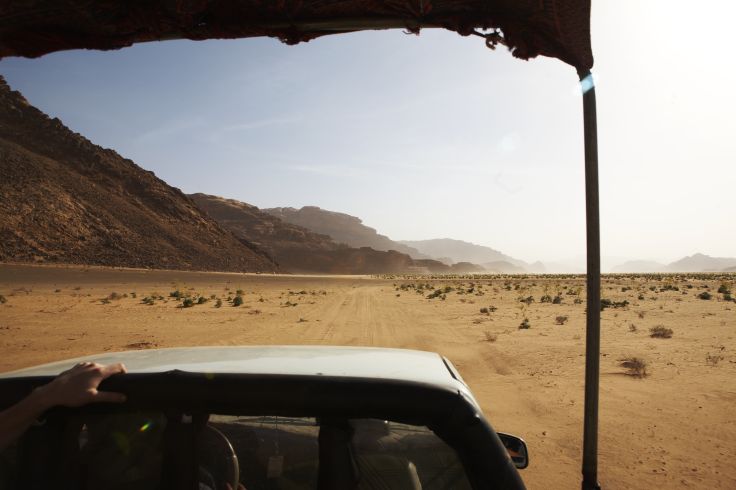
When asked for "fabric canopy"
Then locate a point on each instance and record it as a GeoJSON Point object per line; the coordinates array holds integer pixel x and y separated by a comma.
{"type": "Point", "coordinates": [529, 28]}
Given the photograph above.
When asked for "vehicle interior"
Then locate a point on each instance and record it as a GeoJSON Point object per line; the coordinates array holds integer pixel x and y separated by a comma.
{"type": "Point", "coordinates": [156, 450]}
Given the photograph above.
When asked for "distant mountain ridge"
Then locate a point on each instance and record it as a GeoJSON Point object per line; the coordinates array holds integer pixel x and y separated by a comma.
{"type": "Point", "coordinates": [342, 228]}
{"type": "Point", "coordinates": [64, 199]}
{"type": "Point", "coordinates": [461, 251]}
{"type": "Point", "coordinates": [694, 263]}
{"type": "Point", "coordinates": [298, 249]}
{"type": "Point", "coordinates": [702, 263]}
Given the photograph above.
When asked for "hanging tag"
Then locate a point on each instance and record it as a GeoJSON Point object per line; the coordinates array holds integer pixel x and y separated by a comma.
{"type": "Point", "coordinates": [275, 467]}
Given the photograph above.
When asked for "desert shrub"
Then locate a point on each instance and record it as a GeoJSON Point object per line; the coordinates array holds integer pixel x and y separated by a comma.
{"type": "Point", "coordinates": [187, 303]}
{"type": "Point", "coordinates": [202, 300]}
{"type": "Point", "coordinates": [668, 287]}
{"type": "Point", "coordinates": [176, 294]}
{"type": "Point", "coordinates": [528, 300]}
{"type": "Point", "coordinates": [660, 332]}
{"type": "Point", "coordinates": [490, 337]}
{"type": "Point", "coordinates": [133, 295]}
{"type": "Point", "coordinates": [218, 303]}
{"type": "Point", "coordinates": [239, 292]}
{"type": "Point", "coordinates": [625, 288]}
{"type": "Point", "coordinates": [557, 300]}
{"type": "Point", "coordinates": [607, 303]}
{"type": "Point", "coordinates": [723, 289]}
{"type": "Point", "coordinates": [114, 296]}
{"type": "Point", "coordinates": [545, 299]}
{"type": "Point", "coordinates": [641, 314]}
{"type": "Point", "coordinates": [148, 300]}
{"type": "Point", "coordinates": [635, 366]}
{"type": "Point", "coordinates": [524, 325]}
{"type": "Point", "coordinates": [728, 297]}
{"type": "Point", "coordinates": [213, 296]}
{"type": "Point", "coordinates": [713, 359]}
{"type": "Point", "coordinates": [561, 319]}
{"type": "Point", "coordinates": [705, 295]}
{"type": "Point", "coordinates": [435, 294]}
{"type": "Point", "coordinates": [577, 301]}
{"type": "Point", "coordinates": [641, 297]}
{"type": "Point", "coordinates": [3, 299]}
{"type": "Point", "coordinates": [632, 328]}
{"type": "Point", "coordinates": [484, 310]}
{"type": "Point", "coordinates": [57, 290]}
{"type": "Point", "coordinates": [238, 300]}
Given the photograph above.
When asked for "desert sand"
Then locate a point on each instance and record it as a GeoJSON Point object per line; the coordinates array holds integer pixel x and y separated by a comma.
{"type": "Point", "coordinates": [673, 428]}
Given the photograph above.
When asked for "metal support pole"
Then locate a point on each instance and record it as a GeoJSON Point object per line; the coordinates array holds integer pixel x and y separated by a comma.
{"type": "Point", "coordinates": [593, 323]}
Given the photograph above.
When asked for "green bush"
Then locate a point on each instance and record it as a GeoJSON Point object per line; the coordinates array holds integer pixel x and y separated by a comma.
{"type": "Point", "coordinates": [187, 303]}
{"type": "Point", "coordinates": [238, 300]}
{"type": "Point", "coordinates": [202, 300]}
{"type": "Point", "coordinates": [176, 294]}
{"type": "Point", "coordinates": [705, 295]}
{"type": "Point", "coordinates": [524, 325]}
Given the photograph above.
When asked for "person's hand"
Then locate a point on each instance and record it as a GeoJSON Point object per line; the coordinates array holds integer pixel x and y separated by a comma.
{"type": "Point", "coordinates": [78, 386]}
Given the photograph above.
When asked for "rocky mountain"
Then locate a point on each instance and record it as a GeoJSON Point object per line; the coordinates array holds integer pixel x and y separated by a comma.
{"type": "Point", "coordinates": [64, 199]}
{"type": "Point", "coordinates": [299, 249]}
{"type": "Point", "coordinates": [342, 228]}
{"type": "Point", "coordinates": [701, 263]}
{"type": "Point", "coordinates": [460, 251]}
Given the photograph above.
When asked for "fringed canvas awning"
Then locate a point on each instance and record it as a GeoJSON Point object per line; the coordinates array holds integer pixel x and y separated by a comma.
{"type": "Point", "coordinates": [529, 28]}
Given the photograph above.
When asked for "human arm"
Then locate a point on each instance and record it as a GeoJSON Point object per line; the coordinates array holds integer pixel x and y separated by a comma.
{"type": "Point", "coordinates": [72, 388]}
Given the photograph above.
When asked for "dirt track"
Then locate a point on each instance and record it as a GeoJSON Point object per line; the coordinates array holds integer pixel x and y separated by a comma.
{"type": "Point", "coordinates": [675, 428]}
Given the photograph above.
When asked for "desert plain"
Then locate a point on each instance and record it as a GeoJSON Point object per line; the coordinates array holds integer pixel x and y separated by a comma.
{"type": "Point", "coordinates": [667, 405]}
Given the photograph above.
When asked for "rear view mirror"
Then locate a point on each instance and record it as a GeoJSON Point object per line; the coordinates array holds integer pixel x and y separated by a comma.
{"type": "Point", "coordinates": [516, 448]}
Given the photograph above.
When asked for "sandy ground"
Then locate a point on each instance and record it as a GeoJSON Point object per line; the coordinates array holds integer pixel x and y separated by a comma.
{"type": "Point", "coordinates": [675, 428]}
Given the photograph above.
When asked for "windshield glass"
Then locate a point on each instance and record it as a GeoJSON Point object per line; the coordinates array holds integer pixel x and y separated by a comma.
{"type": "Point", "coordinates": [152, 451]}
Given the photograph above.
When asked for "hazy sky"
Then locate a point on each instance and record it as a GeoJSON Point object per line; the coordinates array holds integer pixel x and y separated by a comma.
{"type": "Point", "coordinates": [435, 136]}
